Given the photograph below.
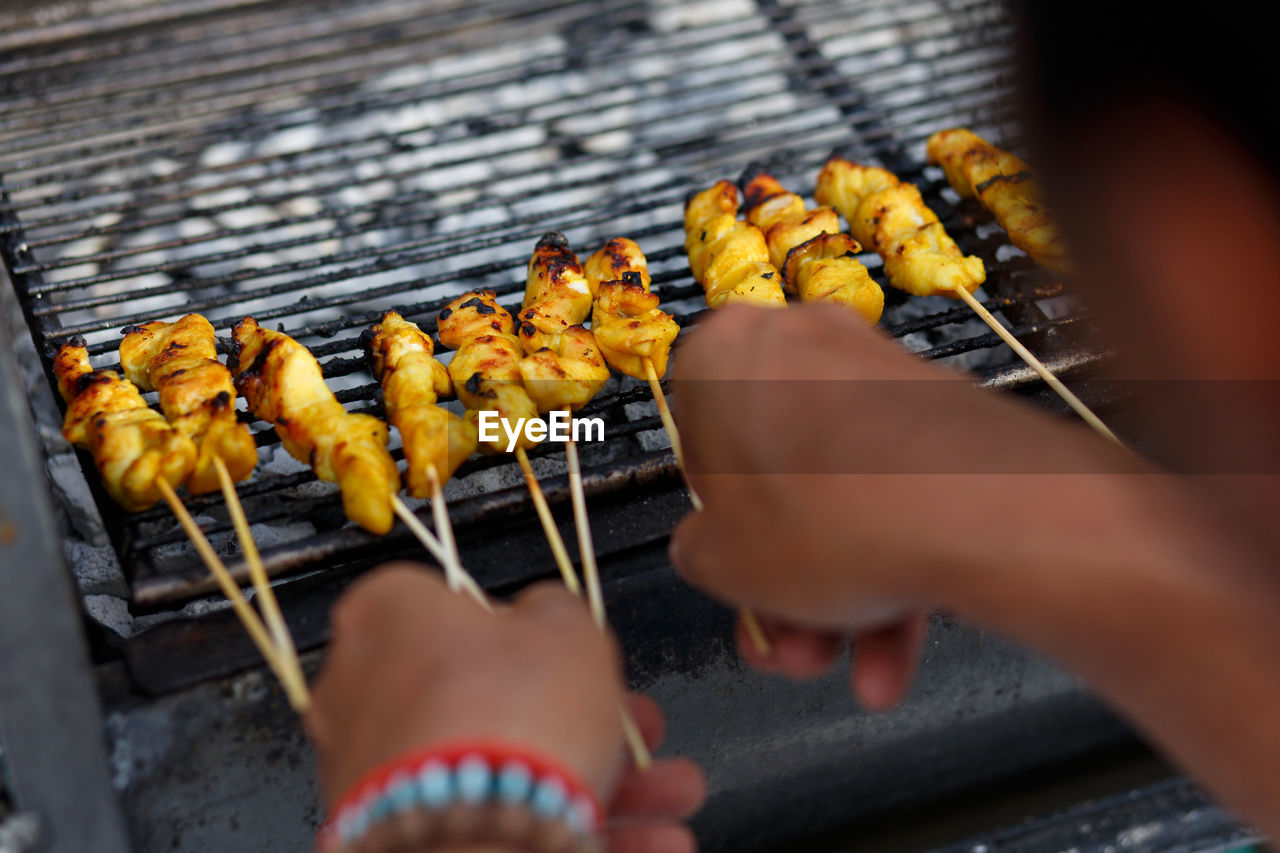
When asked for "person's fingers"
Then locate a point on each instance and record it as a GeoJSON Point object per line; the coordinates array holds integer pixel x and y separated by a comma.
{"type": "Point", "coordinates": [763, 660]}
{"type": "Point", "coordinates": [671, 788]}
{"type": "Point", "coordinates": [648, 718]}
{"type": "Point", "coordinates": [800, 653]}
{"type": "Point", "coordinates": [652, 837]}
{"type": "Point", "coordinates": [885, 662]}
{"type": "Point", "coordinates": [805, 654]}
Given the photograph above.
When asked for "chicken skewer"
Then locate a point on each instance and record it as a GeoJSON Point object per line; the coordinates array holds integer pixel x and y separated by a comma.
{"type": "Point", "coordinates": [142, 458]}
{"type": "Point", "coordinates": [485, 371]}
{"type": "Point", "coordinates": [487, 375]}
{"type": "Point", "coordinates": [634, 334]}
{"type": "Point", "coordinates": [817, 262]}
{"type": "Point", "coordinates": [180, 361]}
{"type": "Point", "coordinates": [284, 385]}
{"type": "Point", "coordinates": [919, 257]}
{"type": "Point", "coordinates": [435, 440]}
{"type": "Point", "coordinates": [730, 259]}
{"type": "Point", "coordinates": [563, 369]}
{"type": "Point", "coordinates": [1004, 185]}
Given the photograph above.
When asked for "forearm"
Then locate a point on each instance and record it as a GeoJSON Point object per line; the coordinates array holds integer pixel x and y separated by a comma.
{"type": "Point", "coordinates": [1152, 600]}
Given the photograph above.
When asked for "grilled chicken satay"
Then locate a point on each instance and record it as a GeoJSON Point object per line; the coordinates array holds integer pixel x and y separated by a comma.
{"type": "Point", "coordinates": [283, 384]}
{"type": "Point", "coordinates": [180, 360]}
{"type": "Point", "coordinates": [1004, 185]}
{"type": "Point", "coordinates": [133, 446]}
{"type": "Point", "coordinates": [818, 263]}
{"type": "Point", "coordinates": [563, 368]}
{"type": "Point", "coordinates": [728, 257]}
{"type": "Point", "coordinates": [891, 217]}
{"type": "Point", "coordinates": [402, 358]}
{"type": "Point", "coordinates": [485, 368]}
{"type": "Point", "coordinates": [629, 326]}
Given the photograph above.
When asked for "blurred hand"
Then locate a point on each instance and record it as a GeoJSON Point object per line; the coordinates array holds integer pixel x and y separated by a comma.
{"type": "Point", "coordinates": [857, 487]}
{"type": "Point", "coordinates": [411, 663]}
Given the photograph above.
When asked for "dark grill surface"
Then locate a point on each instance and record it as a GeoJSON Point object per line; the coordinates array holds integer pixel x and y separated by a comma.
{"type": "Point", "coordinates": [314, 164]}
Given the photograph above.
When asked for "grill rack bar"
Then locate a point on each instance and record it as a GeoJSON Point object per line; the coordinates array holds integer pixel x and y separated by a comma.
{"type": "Point", "coordinates": [567, 108]}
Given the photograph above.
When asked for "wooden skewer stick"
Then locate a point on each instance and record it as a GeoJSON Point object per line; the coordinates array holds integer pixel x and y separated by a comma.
{"type": "Point", "coordinates": [669, 424]}
{"type": "Point", "coordinates": [458, 579]}
{"type": "Point", "coordinates": [749, 620]}
{"type": "Point", "coordinates": [296, 690]}
{"type": "Point", "coordinates": [635, 741]}
{"type": "Point", "coordinates": [274, 619]}
{"type": "Point", "coordinates": [444, 526]}
{"type": "Point", "coordinates": [595, 595]}
{"type": "Point", "coordinates": [1047, 375]}
{"type": "Point", "coordinates": [639, 751]}
{"type": "Point", "coordinates": [548, 524]}
{"type": "Point", "coordinates": [586, 547]}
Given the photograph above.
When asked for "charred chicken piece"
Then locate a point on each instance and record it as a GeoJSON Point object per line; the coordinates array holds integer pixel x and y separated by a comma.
{"type": "Point", "coordinates": [563, 368]}
{"type": "Point", "coordinates": [1004, 185]}
{"type": "Point", "coordinates": [133, 446]}
{"type": "Point", "coordinates": [784, 219]}
{"type": "Point", "coordinates": [729, 258]}
{"type": "Point", "coordinates": [612, 260]}
{"type": "Point", "coordinates": [826, 269]}
{"type": "Point", "coordinates": [817, 262]}
{"type": "Point", "coordinates": [283, 384]}
{"type": "Point", "coordinates": [402, 357]}
{"type": "Point", "coordinates": [180, 360]}
{"type": "Point", "coordinates": [557, 294]}
{"type": "Point", "coordinates": [628, 325]}
{"type": "Point", "coordinates": [486, 365]}
{"type": "Point", "coordinates": [891, 217]}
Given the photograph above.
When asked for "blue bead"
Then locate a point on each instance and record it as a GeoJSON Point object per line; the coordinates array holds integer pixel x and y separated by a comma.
{"type": "Point", "coordinates": [402, 793]}
{"type": "Point", "coordinates": [514, 782]}
{"type": "Point", "coordinates": [379, 809]}
{"type": "Point", "coordinates": [474, 778]}
{"type": "Point", "coordinates": [580, 816]}
{"type": "Point", "coordinates": [548, 798]}
{"type": "Point", "coordinates": [345, 825]}
{"type": "Point", "coordinates": [360, 820]}
{"type": "Point", "coordinates": [435, 785]}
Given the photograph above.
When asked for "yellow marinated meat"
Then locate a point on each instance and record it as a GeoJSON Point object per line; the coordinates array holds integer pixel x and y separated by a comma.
{"type": "Point", "coordinates": [402, 358]}
{"type": "Point", "coordinates": [629, 326]}
{"type": "Point", "coordinates": [132, 445]}
{"type": "Point", "coordinates": [1006, 186]}
{"type": "Point", "coordinates": [728, 257]}
{"type": "Point", "coordinates": [180, 361]}
{"type": "Point", "coordinates": [891, 217]}
{"type": "Point", "coordinates": [817, 262]}
{"type": "Point", "coordinates": [485, 368]}
{"type": "Point", "coordinates": [283, 384]}
{"type": "Point", "coordinates": [563, 368]}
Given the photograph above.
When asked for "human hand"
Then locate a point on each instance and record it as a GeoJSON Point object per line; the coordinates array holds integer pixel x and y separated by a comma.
{"type": "Point", "coordinates": [884, 659]}
{"type": "Point", "coordinates": [858, 485]}
{"type": "Point", "coordinates": [411, 663]}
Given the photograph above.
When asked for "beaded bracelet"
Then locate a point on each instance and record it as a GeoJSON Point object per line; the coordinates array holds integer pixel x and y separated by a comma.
{"type": "Point", "coordinates": [477, 779]}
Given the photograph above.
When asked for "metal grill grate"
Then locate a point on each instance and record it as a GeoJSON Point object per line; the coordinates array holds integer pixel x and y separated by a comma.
{"type": "Point", "coordinates": [314, 164]}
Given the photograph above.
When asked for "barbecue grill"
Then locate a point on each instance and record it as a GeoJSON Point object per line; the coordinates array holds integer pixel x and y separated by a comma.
{"type": "Point", "coordinates": [315, 163]}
